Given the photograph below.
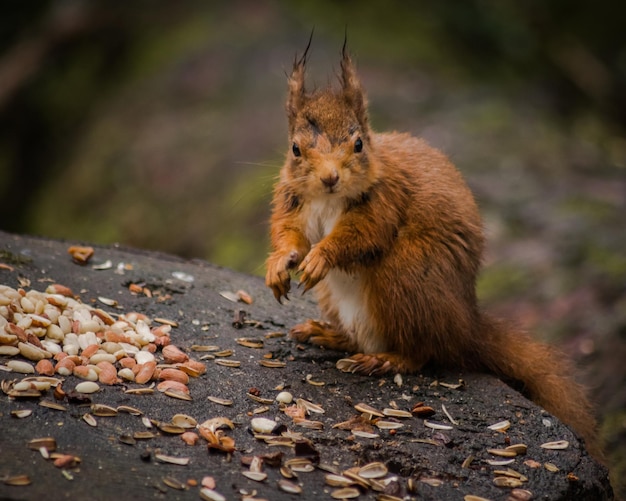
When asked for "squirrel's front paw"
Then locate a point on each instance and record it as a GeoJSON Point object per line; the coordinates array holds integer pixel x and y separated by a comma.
{"type": "Point", "coordinates": [314, 268]}
{"type": "Point", "coordinates": [277, 277]}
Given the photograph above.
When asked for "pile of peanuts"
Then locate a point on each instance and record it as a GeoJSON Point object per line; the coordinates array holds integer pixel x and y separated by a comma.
{"type": "Point", "coordinates": [62, 336]}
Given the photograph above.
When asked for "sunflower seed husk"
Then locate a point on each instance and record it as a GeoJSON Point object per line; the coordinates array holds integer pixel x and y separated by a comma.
{"type": "Point", "coordinates": [224, 353]}
{"type": "Point", "coordinates": [102, 410]}
{"type": "Point", "coordinates": [558, 445]}
{"type": "Point", "coordinates": [172, 392]}
{"type": "Point", "coordinates": [17, 480]}
{"type": "Point", "coordinates": [210, 495]}
{"type": "Point", "coordinates": [257, 476]}
{"type": "Point", "coordinates": [518, 448]}
{"type": "Point", "coordinates": [272, 364]}
{"type": "Point", "coordinates": [184, 421]}
{"type": "Point", "coordinates": [300, 465]}
{"type": "Point", "coordinates": [551, 467]}
{"type": "Point", "coordinates": [368, 409]}
{"type": "Point", "coordinates": [261, 400]}
{"type": "Point", "coordinates": [308, 424]}
{"type": "Point", "coordinates": [290, 487]}
{"type": "Point", "coordinates": [511, 473]}
{"type": "Point", "coordinates": [502, 453]}
{"type": "Point", "coordinates": [499, 462]}
{"type": "Point", "coordinates": [388, 425]}
{"type": "Point", "coordinates": [143, 435]}
{"type": "Point", "coordinates": [398, 413]}
{"type": "Point", "coordinates": [170, 428]}
{"type": "Point", "coordinates": [228, 363]}
{"type": "Point", "coordinates": [310, 406]}
{"type": "Point", "coordinates": [127, 439]}
{"type": "Point", "coordinates": [345, 493]}
{"type": "Point", "coordinates": [48, 443]}
{"type": "Point", "coordinates": [364, 434]}
{"type": "Point", "coordinates": [500, 426]}
{"type": "Point", "coordinates": [338, 480]}
{"type": "Point", "coordinates": [373, 470]}
{"type": "Point", "coordinates": [129, 410]}
{"type": "Point", "coordinates": [204, 347]}
{"type": "Point", "coordinates": [52, 405]}
{"type": "Point", "coordinates": [182, 461]}
{"type": "Point", "coordinates": [174, 483]}
{"type": "Point", "coordinates": [166, 321]}
{"type": "Point", "coordinates": [90, 420]}
{"type": "Point", "coordinates": [471, 497]}
{"type": "Point", "coordinates": [249, 342]}
{"type": "Point", "coordinates": [220, 401]}
{"type": "Point", "coordinates": [21, 413]}
{"type": "Point", "coordinates": [437, 426]}
{"type": "Point", "coordinates": [433, 482]}
{"type": "Point", "coordinates": [507, 482]}
{"type": "Point", "coordinates": [139, 391]}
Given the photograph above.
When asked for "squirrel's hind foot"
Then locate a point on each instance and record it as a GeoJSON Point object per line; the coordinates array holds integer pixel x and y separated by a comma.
{"type": "Point", "coordinates": [376, 364]}
{"type": "Point", "coordinates": [321, 334]}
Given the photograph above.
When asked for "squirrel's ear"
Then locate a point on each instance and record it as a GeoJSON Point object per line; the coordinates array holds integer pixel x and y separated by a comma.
{"type": "Point", "coordinates": [352, 90]}
{"type": "Point", "coordinates": [296, 83]}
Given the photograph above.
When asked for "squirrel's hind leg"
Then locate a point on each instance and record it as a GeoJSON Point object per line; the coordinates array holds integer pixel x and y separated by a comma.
{"type": "Point", "coordinates": [322, 334]}
{"type": "Point", "coordinates": [376, 364]}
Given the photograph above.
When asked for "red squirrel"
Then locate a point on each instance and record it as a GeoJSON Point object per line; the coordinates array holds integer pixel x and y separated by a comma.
{"type": "Point", "coordinates": [384, 229]}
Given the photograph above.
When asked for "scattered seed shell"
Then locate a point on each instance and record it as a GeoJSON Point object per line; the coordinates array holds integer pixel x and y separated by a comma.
{"type": "Point", "coordinates": [272, 364]}
{"type": "Point", "coordinates": [558, 445]}
{"type": "Point", "coordinates": [373, 470]}
{"type": "Point", "coordinates": [502, 453]}
{"type": "Point", "coordinates": [500, 426]}
{"type": "Point", "coordinates": [507, 482]}
{"type": "Point", "coordinates": [368, 409]}
{"type": "Point", "coordinates": [437, 426]}
{"type": "Point", "coordinates": [257, 476]}
{"type": "Point", "coordinates": [398, 413]}
{"type": "Point", "coordinates": [90, 420]}
{"type": "Point", "coordinates": [290, 487]}
{"type": "Point", "coordinates": [184, 421]}
{"type": "Point", "coordinates": [345, 493]}
{"type": "Point", "coordinates": [48, 443]}
{"type": "Point", "coordinates": [220, 401]}
{"type": "Point", "coordinates": [210, 495]}
{"type": "Point", "coordinates": [21, 413]}
{"type": "Point", "coordinates": [228, 363]}
{"type": "Point", "coordinates": [182, 461]}
{"type": "Point", "coordinates": [17, 480]}
{"type": "Point", "coordinates": [102, 410]}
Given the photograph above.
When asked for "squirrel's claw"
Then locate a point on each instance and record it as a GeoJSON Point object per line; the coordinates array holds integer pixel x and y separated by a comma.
{"type": "Point", "coordinates": [314, 268]}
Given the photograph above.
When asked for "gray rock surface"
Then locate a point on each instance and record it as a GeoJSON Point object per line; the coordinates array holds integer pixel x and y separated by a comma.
{"type": "Point", "coordinates": [435, 462]}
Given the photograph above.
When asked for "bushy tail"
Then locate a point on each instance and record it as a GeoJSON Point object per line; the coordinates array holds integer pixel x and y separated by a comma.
{"type": "Point", "coordinates": [546, 376]}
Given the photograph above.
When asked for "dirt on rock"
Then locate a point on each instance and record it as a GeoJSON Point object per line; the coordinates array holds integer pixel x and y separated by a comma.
{"type": "Point", "coordinates": [437, 457]}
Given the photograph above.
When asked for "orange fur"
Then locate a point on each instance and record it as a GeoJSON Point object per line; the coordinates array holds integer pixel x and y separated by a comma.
{"type": "Point", "coordinates": [389, 235]}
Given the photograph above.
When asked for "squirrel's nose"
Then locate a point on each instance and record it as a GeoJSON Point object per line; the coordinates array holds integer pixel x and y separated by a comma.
{"type": "Point", "coordinates": [330, 179]}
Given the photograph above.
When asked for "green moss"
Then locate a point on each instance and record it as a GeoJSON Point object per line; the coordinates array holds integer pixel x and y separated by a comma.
{"type": "Point", "coordinates": [502, 281]}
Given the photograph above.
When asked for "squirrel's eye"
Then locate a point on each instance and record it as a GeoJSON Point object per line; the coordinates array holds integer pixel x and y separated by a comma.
{"type": "Point", "coordinates": [296, 150]}
{"type": "Point", "coordinates": [358, 145]}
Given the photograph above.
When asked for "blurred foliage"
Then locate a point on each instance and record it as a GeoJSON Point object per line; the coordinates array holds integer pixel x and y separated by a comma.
{"type": "Point", "coordinates": [160, 125]}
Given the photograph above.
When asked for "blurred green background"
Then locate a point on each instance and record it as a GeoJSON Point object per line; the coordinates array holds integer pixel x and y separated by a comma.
{"type": "Point", "coordinates": [161, 125]}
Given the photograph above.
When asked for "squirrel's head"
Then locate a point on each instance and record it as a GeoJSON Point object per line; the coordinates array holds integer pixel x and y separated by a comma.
{"type": "Point", "coordinates": [330, 148]}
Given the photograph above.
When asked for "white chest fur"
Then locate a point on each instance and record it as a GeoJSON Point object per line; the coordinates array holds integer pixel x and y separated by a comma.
{"type": "Point", "coordinates": [345, 289]}
{"type": "Point", "coordinates": [321, 217]}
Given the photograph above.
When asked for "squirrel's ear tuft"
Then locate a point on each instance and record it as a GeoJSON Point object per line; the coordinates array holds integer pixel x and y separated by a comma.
{"type": "Point", "coordinates": [296, 83]}
{"type": "Point", "coordinates": [352, 90]}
